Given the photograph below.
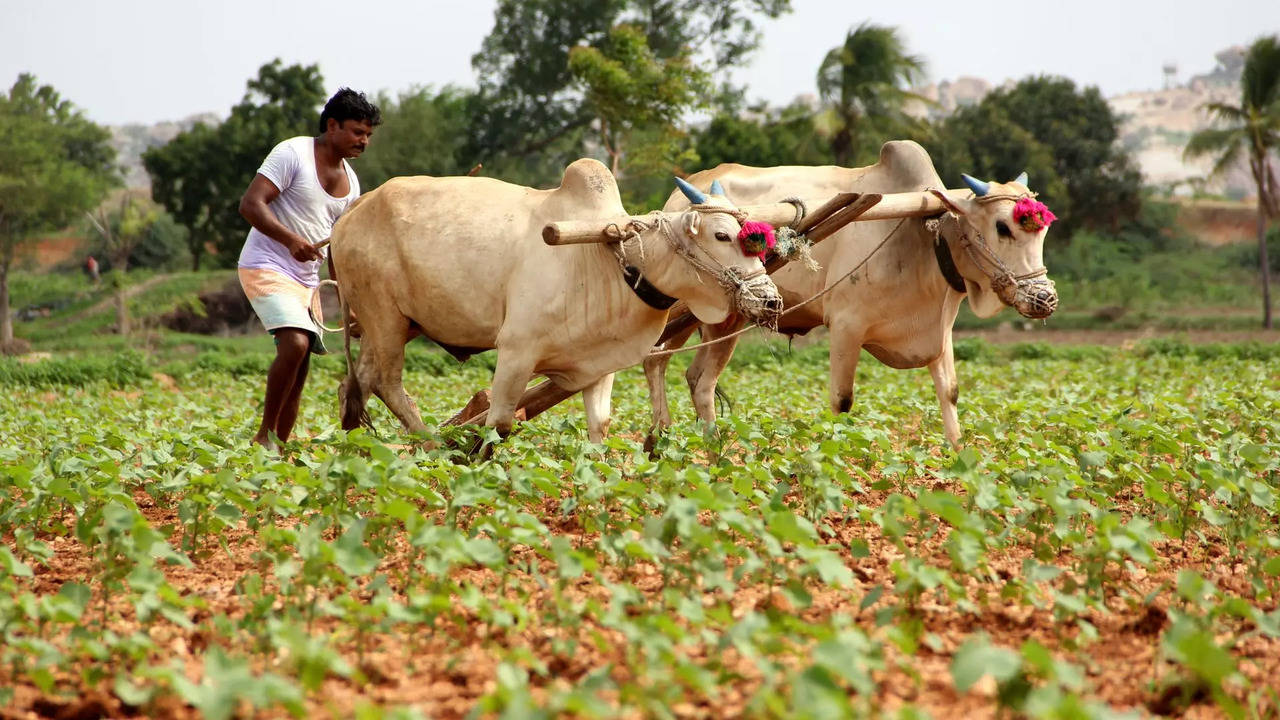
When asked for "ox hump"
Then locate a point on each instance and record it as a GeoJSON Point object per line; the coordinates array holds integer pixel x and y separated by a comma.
{"type": "Point", "coordinates": [909, 164]}
{"type": "Point", "coordinates": [589, 182]}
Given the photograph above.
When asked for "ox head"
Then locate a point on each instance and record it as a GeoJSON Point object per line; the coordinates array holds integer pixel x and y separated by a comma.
{"type": "Point", "coordinates": [720, 275]}
{"type": "Point", "coordinates": [997, 243]}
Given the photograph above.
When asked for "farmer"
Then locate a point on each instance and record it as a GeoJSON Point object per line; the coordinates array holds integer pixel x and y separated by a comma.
{"type": "Point", "coordinates": [300, 190]}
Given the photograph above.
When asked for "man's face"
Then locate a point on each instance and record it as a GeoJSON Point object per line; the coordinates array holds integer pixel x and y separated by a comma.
{"type": "Point", "coordinates": [349, 137]}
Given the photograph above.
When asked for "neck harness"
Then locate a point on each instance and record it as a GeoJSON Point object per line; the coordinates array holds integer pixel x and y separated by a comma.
{"type": "Point", "coordinates": [946, 263]}
{"type": "Point", "coordinates": [652, 296]}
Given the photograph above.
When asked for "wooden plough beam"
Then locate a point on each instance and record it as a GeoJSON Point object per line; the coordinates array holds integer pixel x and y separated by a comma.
{"type": "Point", "coordinates": [816, 226]}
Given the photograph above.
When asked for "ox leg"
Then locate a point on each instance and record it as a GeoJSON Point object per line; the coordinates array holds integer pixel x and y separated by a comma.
{"type": "Point", "coordinates": [655, 372]}
{"type": "Point", "coordinates": [946, 385]}
{"type": "Point", "coordinates": [845, 349]}
{"type": "Point", "coordinates": [510, 379]}
{"type": "Point", "coordinates": [387, 355]}
{"type": "Point", "coordinates": [708, 363]}
{"type": "Point", "coordinates": [595, 399]}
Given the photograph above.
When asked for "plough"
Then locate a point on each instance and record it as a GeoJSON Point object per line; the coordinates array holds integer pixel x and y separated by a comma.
{"type": "Point", "coordinates": [816, 226]}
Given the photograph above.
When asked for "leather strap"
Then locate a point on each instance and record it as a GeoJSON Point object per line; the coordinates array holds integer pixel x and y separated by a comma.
{"type": "Point", "coordinates": [652, 296]}
{"type": "Point", "coordinates": [947, 264]}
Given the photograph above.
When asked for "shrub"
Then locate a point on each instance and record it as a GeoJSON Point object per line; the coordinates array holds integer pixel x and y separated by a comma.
{"type": "Point", "coordinates": [119, 370]}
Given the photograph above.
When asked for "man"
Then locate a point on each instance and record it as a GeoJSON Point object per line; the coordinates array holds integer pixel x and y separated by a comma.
{"type": "Point", "coordinates": [301, 189]}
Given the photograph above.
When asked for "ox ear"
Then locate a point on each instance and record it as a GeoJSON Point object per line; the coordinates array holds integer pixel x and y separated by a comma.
{"type": "Point", "coordinates": [694, 194]}
{"type": "Point", "coordinates": [1022, 179]}
{"type": "Point", "coordinates": [717, 188]}
{"type": "Point", "coordinates": [692, 222]}
{"type": "Point", "coordinates": [978, 187]}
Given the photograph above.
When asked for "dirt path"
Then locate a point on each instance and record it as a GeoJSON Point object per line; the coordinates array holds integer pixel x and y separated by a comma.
{"type": "Point", "coordinates": [109, 302]}
{"type": "Point", "coordinates": [1004, 336]}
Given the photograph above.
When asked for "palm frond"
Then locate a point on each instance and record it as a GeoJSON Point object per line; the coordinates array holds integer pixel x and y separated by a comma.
{"type": "Point", "coordinates": [1215, 141]}
{"type": "Point", "coordinates": [1260, 79]}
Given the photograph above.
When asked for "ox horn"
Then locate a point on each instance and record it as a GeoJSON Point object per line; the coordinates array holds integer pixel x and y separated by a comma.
{"type": "Point", "coordinates": [694, 194]}
{"type": "Point", "coordinates": [1022, 179]}
{"type": "Point", "coordinates": [717, 188]}
{"type": "Point", "coordinates": [978, 187]}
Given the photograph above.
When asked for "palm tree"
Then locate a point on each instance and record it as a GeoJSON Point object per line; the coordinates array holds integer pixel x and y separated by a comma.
{"type": "Point", "coordinates": [864, 81]}
{"type": "Point", "coordinates": [1252, 127]}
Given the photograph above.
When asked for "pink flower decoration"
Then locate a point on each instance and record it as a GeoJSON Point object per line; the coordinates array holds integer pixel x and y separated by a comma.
{"type": "Point", "coordinates": [757, 238]}
{"type": "Point", "coordinates": [1033, 215]}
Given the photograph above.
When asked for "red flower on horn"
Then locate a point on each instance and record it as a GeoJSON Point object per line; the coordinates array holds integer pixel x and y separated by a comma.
{"type": "Point", "coordinates": [1033, 215]}
{"type": "Point", "coordinates": [756, 238]}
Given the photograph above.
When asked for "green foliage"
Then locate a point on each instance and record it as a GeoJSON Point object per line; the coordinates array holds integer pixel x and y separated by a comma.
{"type": "Point", "coordinates": [423, 132]}
{"type": "Point", "coordinates": [863, 83]}
{"type": "Point", "coordinates": [200, 175]}
{"type": "Point", "coordinates": [1064, 137]}
{"type": "Point", "coordinates": [763, 138]}
{"type": "Point", "coordinates": [629, 91]}
{"type": "Point", "coordinates": [838, 555]}
{"type": "Point", "coordinates": [54, 165]}
{"type": "Point", "coordinates": [530, 116]}
{"type": "Point", "coordinates": [1252, 130]}
{"type": "Point", "coordinates": [122, 370]}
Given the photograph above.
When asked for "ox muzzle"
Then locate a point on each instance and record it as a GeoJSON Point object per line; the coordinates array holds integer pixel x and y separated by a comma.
{"type": "Point", "coordinates": [754, 296]}
{"type": "Point", "coordinates": [1034, 297]}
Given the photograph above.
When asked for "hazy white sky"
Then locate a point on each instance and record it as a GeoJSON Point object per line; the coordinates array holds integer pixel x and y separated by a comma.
{"type": "Point", "coordinates": [151, 60]}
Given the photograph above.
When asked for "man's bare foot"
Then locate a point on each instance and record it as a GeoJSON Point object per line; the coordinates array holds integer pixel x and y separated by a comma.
{"type": "Point", "coordinates": [267, 444]}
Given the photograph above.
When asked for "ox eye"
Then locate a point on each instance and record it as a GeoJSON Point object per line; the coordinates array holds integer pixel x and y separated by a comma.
{"type": "Point", "coordinates": [1003, 230]}
{"type": "Point", "coordinates": [723, 237]}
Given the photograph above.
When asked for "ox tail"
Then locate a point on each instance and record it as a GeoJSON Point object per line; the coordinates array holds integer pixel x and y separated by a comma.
{"type": "Point", "coordinates": [355, 413]}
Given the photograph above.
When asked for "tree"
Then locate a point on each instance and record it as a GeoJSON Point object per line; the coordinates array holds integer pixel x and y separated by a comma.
{"type": "Point", "coordinates": [1252, 129]}
{"type": "Point", "coordinates": [423, 132]}
{"type": "Point", "coordinates": [864, 83]}
{"type": "Point", "coordinates": [528, 105]}
{"type": "Point", "coordinates": [627, 89]}
{"type": "Point", "coordinates": [54, 164]}
{"type": "Point", "coordinates": [200, 175]}
{"type": "Point", "coordinates": [764, 138]}
{"type": "Point", "coordinates": [121, 230]}
{"type": "Point", "coordinates": [1063, 137]}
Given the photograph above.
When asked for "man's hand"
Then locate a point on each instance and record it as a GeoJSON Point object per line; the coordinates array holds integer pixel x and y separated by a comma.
{"type": "Point", "coordinates": [303, 251]}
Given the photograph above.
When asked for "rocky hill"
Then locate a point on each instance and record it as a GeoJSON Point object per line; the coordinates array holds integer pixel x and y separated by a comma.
{"type": "Point", "coordinates": [130, 141]}
{"type": "Point", "coordinates": [1155, 124]}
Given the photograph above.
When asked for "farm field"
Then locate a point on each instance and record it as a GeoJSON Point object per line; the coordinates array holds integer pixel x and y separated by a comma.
{"type": "Point", "coordinates": [1106, 544]}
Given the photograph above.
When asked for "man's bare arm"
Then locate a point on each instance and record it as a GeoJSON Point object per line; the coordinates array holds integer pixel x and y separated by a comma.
{"type": "Point", "coordinates": [253, 207]}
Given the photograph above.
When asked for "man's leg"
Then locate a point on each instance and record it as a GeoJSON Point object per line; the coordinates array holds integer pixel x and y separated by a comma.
{"type": "Point", "coordinates": [292, 346]}
{"type": "Point", "coordinates": [289, 411]}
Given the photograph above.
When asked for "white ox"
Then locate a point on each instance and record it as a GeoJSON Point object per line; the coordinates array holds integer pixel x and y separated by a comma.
{"type": "Point", "coordinates": [461, 261]}
{"type": "Point", "coordinates": [900, 306]}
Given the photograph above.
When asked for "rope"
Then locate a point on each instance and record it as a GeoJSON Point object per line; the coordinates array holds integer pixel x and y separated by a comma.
{"type": "Point", "coordinates": [797, 306]}
{"type": "Point", "coordinates": [316, 291]}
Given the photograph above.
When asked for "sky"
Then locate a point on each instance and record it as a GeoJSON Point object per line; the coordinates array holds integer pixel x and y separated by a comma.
{"type": "Point", "coordinates": [145, 61]}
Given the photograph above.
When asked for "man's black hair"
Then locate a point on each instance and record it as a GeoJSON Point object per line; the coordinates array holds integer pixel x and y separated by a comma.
{"type": "Point", "coordinates": [347, 104]}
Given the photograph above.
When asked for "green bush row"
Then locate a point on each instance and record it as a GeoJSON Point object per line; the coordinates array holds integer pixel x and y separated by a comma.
{"type": "Point", "coordinates": [129, 367]}
{"type": "Point", "coordinates": [119, 370]}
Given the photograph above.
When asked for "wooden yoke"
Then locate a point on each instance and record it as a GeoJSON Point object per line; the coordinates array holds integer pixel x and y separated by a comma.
{"type": "Point", "coordinates": [816, 226]}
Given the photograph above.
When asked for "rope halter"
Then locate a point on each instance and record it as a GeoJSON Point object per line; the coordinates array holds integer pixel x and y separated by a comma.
{"type": "Point", "coordinates": [1032, 293]}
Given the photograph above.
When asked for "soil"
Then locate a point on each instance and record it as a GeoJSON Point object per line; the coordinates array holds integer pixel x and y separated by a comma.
{"type": "Point", "coordinates": [443, 672]}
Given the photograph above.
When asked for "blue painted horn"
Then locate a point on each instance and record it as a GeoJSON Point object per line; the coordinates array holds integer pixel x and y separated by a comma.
{"type": "Point", "coordinates": [978, 187]}
{"type": "Point", "coordinates": [1022, 179]}
{"type": "Point", "coordinates": [717, 188]}
{"type": "Point", "coordinates": [695, 196]}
